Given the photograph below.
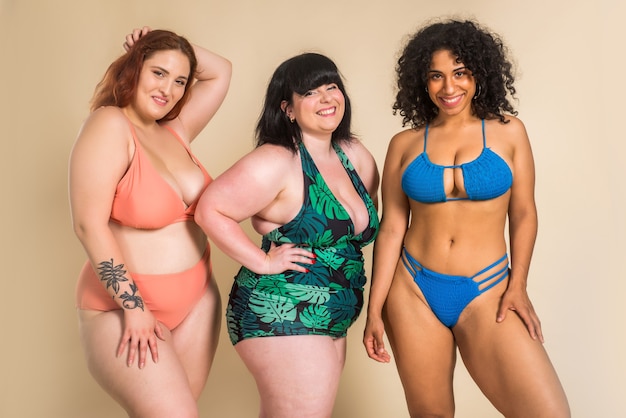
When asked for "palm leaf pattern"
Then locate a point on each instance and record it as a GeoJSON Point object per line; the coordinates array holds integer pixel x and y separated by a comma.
{"type": "Point", "coordinates": [327, 299]}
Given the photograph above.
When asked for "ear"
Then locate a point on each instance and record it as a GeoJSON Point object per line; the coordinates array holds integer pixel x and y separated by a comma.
{"type": "Point", "coordinates": [284, 106]}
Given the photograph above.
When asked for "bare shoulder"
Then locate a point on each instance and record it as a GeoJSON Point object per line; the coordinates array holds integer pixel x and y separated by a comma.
{"type": "Point", "coordinates": [270, 162]}
{"type": "Point", "coordinates": [513, 130]}
{"type": "Point", "coordinates": [106, 123]}
{"type": "Point", "coordinates": [357, 152]}
{"type": "Point", "coordinates": [404, 144]}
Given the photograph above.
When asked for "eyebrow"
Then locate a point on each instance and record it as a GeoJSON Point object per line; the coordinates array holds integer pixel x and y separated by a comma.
{"type": "Point", "coordinates": [454, 70]}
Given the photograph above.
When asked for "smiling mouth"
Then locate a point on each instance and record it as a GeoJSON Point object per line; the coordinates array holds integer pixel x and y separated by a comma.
{"type": "Point", "coordinates": [160, 100]}
{"type": "Point", "coordinates": [326, 112]}
{"type": "Point", "coordinates": [450, 101]}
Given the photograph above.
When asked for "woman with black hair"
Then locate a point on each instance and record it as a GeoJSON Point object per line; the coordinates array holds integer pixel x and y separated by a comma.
{"type": "Point", "coordinates": [441, 277]}
{"type": "Point", "coordinates": [310, 188]}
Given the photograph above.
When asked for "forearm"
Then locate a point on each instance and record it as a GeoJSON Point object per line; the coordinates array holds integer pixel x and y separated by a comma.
{"type": "Point", "coordinates": [108, 262]}
{"type": "Point", "coordinates": [387, 249]}
{"type": "Point", "coordinates": [230, 238]}
{"type": "Point", "coordinates": [522, 233]}
{"type": "Point", "coordinates": [211, 66]}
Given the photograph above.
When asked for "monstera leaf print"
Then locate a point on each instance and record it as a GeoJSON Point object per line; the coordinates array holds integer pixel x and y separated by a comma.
{"type": "Point", "coordinates": [342, 326]}
{"type": "Point", "coordinates": [353, 269]}
{"type": "Point", "coordinates": [246, 278]}
{"type": "Point", "coordinates": [315, 316]}
{"type": "Point", "coordinates": [273, 284]}
{"type": "Point", "coordinates": [274, 309]}
{"type": "Point", "coordinates": [343, 305]}
{"type": "Point", "coordinates": [330, 258]}
{"type": "Point", "coordinates": [310, 294]}
{"type": "Point", "coordinates": [306, 227]}
{"type": "Point", "coordinates": [324, 201]}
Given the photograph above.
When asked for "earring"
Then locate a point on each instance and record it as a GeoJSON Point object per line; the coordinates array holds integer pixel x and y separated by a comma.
{"type": "Point", "coordinates": [291, 119]}
{"type": "Point", "coordinates": [478, 91]}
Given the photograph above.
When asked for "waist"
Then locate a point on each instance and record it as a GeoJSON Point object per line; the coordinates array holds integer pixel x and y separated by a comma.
{"type": "Point", "coordinates": [170, 249]}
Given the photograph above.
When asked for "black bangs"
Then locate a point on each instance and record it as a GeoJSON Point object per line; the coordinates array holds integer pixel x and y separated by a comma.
{"type": "Point", "coordinates": [309, 71]}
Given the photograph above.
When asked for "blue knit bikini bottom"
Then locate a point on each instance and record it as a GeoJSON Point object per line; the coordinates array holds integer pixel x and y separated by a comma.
{"type": "Point", "coordinates": [448, 295]}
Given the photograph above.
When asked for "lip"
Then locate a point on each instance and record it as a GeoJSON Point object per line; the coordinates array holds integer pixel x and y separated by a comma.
{"type": "Point", "coordinates": [451, 101]}
{"type": "Point", "coordinates": [160, 100]}
{"type": "Point", "coordinates": [327, 112]}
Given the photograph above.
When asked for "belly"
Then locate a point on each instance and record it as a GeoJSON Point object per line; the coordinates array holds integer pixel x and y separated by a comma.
{"type": "Point", "coordinates": [171, 249]}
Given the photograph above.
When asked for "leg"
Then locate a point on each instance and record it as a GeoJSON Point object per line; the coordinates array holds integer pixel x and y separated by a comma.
{"type": "Point", "coordinates": [297, 376]}
{"type": "Point", "coordinates": [156, 391]}
{"type": "Point", "coordinates": [423, 349]}
{"type": "Point", "coordinates": [196, 338]}
{"type": "Point", "coordinates": [511, 369]}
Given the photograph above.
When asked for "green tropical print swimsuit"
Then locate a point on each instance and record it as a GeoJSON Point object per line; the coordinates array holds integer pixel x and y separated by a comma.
{"type": "Point", "coordinates": [327, 299]}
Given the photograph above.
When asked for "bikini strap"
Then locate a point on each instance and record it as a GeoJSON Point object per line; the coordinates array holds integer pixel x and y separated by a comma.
{"type": "Point", "coordinates": [484, 136]}
{"type": "Point", "coordinates": [425, 136]}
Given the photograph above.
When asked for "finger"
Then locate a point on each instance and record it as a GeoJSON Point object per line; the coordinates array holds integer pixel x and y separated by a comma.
{"type": "Point", "coordinates": [122, 345]}
{"type": "Point", "coordinates": [143, 352]}
{"type": "Point", "coordinates": [137, 33]}
{"type": "Point", "coordinates": [539, 331]}
{"type": "Point", "coordinates": [530, 324]}
{"type": "Point", "coordinates": [154, 351]}
{"type": "Point", "coordinates": [502, 311]}
{"type": "Point", "coordinates": [159, 331]}
{"type": "Point", "coordinates": [132, 352]}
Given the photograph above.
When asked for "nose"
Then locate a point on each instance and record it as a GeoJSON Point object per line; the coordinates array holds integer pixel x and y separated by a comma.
{"type": "Point", "coordinates": [448, 85]}
{"type": "Point", "coordinates": [166, 87]}
{"type": "Point", "coordinates": [324, 96]}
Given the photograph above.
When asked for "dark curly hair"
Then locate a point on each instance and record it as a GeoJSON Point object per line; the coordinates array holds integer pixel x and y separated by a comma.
{"type": "Point", "coordinates": [298, 75]}
{"type": "Point", "coordinates": [481, 51]}
{"type": "Point", "coordinates": [119, 84]}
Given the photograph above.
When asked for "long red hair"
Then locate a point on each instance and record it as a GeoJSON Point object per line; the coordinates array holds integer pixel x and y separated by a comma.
{"type": "Point", "coordinates": [119, 84]}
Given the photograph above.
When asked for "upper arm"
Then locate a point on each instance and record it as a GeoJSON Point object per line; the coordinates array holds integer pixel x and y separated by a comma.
{"type": "Point", "coordinates": [98, 161]}
{"type": "Point", "coordinates": [207, 94]}
{"type": "Point", "coordinates": [249, 186]}
{"type": "Point", "coordinates": [396, 207]}
{"type": "Point", "coordinates": [523, 188]}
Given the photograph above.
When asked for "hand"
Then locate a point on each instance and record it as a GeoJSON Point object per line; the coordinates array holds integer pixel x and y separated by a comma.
{"type": "Point", "coordinates": [516, 299]}
{"type": "Point", "coordinates": [133, 37]}
{"type": "Point", "coordinates": [284, 257]}
{"type": "Point", "coordinates": [141, 330]}
{"type": "Point", "coordinates": [373, 340]}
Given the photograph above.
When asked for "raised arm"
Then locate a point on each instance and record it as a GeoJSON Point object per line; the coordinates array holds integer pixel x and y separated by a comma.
{"type": "Point", "coordinates": [245, 190]}
{"type": "Point", "coordinates": [207, 92]}
{"type": "Point", "coordinates": [98, 161]}
{"type": "Point", "coordinates": [387, 248]}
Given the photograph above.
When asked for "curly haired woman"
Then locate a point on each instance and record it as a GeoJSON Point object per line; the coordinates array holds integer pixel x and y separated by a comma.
{"type": "Point", "coordinates": [442, 278]}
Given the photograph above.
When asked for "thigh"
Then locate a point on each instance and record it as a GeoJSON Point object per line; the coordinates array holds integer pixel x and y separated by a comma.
{"type": "Point", "coordinates": [196, 338]}
{"type": "Point", "coordinates": [512, 370]}
{"type": "Point", "coordinates": [159, 389]}
{"type": "Point", "coordinates": [423, 349]}
{"type": "Point", "coordinates": [295, 375]}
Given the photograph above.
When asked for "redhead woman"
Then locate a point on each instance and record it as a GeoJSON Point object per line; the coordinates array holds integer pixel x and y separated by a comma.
{"type": "Point", "coordinates": [148, 305]}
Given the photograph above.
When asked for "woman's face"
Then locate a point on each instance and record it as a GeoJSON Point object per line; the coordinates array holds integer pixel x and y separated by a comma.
{"type": "Point", "coordinates": [161, 84]}
{"type": "Point", "coordinates": [451, 86]}
{"type": "Point", "coordinates": [318, 111]}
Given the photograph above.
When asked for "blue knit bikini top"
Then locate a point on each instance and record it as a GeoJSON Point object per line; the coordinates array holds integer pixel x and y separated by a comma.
{"type": "Point", "coordinates": [486, 177]}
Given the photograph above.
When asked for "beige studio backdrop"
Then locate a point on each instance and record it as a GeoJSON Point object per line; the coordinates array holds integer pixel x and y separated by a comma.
{"type": "Point", "coordinates": [571, 89]}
